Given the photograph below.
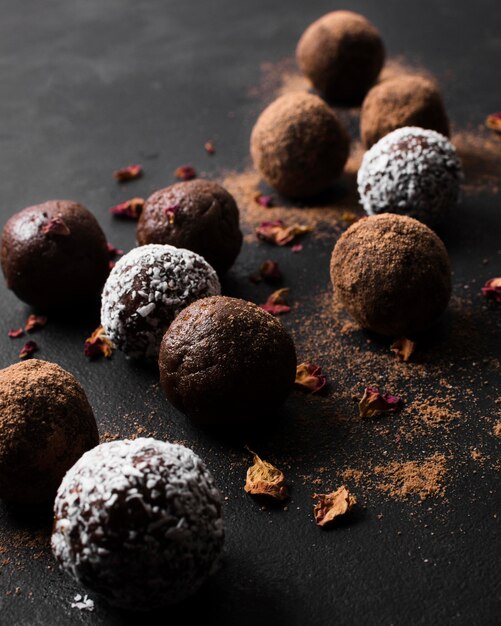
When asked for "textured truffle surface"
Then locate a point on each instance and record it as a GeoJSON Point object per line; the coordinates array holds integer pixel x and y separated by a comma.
{"type": "Point", "coordinates": [413, 172]}
{"type": "Point", "coordinates": [46, 424]}
{"type": "Point", "coordinates": [342, 54]}
{"type": "Point", "coordinates": [199, 215]}
{"type": "Point", "coordinates": [402, 101]}
{"type": "Point", "coordinates": [138, 522]}
{"type": "Point", "coordinates": [299, 145]}
{"type": "Point", "coordinates": [392, 274]}
{"type": "Point", "coordinates": [145, 291]}
{"type": "Point", "coordinates": [226, 361]}
{"type": "Point", "coordinates": [54, 255]}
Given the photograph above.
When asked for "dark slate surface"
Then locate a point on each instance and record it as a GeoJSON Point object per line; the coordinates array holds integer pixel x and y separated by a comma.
{"type": "Point", "coordinates": [90, 86]}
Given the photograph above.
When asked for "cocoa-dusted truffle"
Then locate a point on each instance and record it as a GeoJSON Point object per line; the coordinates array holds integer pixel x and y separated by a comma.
{"type": "Point", "coordinates": [402, 101]}
{"type": "Point", "coordinates": [413, 172]}
{"type": "Point", "coordinates": [46, 424]}
{"type": "Point", "coordinates": [299, 145]}
{"type": "Point", "coordinates": [342, 54]}
{"type": "Point", "coordinates": [138, 522]}
{"type": "Point", "coordinates": [145, 291]}
{"type": "Point", "coordinates": [226, 361]}
{"type": "Point", "coordinates": [54, 255]}
{"type": "Point", "coordinates": [392, 274]}
{"type": "Point", "coordinates": [198, 215]}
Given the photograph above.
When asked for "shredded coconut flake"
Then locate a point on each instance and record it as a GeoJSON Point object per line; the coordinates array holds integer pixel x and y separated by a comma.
{"type": "Point", "coordinates": [83, 604]}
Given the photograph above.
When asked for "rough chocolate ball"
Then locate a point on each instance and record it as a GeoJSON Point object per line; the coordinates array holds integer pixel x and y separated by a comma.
{"type": "Point", "coordinates": [413, 172]}
{"type": "Point", "coordinates": [46, 424]}
{"type": "Point", "coordinates": [54, 255]}
{"type": "Point", "coordinates": [146, 290]}
{"type": "Point", "coordinates": [138, 522]}
{"type": "Point", "coordinates": [226, 361]}
{"type": "Point", "coordinates": [198, 215]}
{"type": "Point", "coordinates": [392, 274]}
{"type": "Point", "coordinates": [402, 101]}
{"type": "Point", "coordinates": [298, 145]}
{"type": "Point", "coordinates": [342, 54]}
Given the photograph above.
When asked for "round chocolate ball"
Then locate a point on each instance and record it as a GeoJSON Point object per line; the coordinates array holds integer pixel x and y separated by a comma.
{"type": "Point", "coordinates": [298, 145]}
{"type": "Point", "coordinates": [402, 101]}
{"type": "Point", "coordinates": [138, 522]}
{"type": "Point", "coordinates": [342, 54]}
{"type": "Point", "coordinates": [413, 172]}
{"type": "Point", "coordinates": [392, 274]}
{"type": "Point", "coordinates": [146, 290]}
{"type": "Point", "coordinates": [198, 215]}
{"type": "Point", "coordinates": [226, 361]}
{"type": "Point", "coordinates": [46, 424]}
{"type": "Point", "coordinates": [54, 255]}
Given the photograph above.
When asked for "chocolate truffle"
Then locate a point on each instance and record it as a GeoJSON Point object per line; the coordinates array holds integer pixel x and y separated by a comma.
{"type": "Point", "coordinates": [46, 424]}
{"type": "Point", "coordinates": [342, 54]}
{"type": "Point", "coordinates": [146, 290]}
{"type": "Point", "coordinates": [299, 145]}
{"type": "Point", "coordinates": [392, 274]}
{"type": "Point", "coordinates": [402, 101]}
{"type": "Point", "coordinates": [198, 215]}
{"type": "Point", "coordinates": [226, 361]}
{"type": "Point", "coordinates": [138, 522]}
{"type": "Point", "coordinates": [413, 172]}
{"type": "Point", "coordinates": [54, 255]}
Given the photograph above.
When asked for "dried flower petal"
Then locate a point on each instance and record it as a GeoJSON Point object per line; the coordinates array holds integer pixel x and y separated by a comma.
{"type": "Point", "coordinates": [374, 403]}
{"type": "Point", "coordinates": [332, 505]}
{"type": "Point", "coordinates": [277, 233]}
{"type": "Point", "coordinates": [297, 247]}
{"type": "Point", "coordinates": [98, 345]}
{"type": "Point", "coordinates": [269, 272]}
{"type": "Point", "coordinates": [209, 147]}
{"type": "Point", "coordinates": [35, 322]}
{"type": "Point", "coordinates": [276, 304]}
{"type": "Point", "coordinates": [349, 217]}
{"type": "Point", "coordinates": [15, 333]}
{"type": "Point", "coordinates": [28, 349]}
{"type": "Point", "coordinates": [170, 213]}
{"type": "Point", "coordinates": [403, 348]}
{"type": "Point", "coordinates": [130, 209]}
{"type": "Point", "coordinates": [264, 200]}
{"type": "Point", "coordinates": [128, 173]}
{"type": "Point", "coordinates": [492, 289]}
{"type": "Point", "coordinates": [493, 122]}
{"type": "Point", "coordinates": [264, 479]}
{"type": "Point", "coordinates": [310, 377]}
{"type": "Point", "coordinates": [56, 226]}
{"type": "Point", "coordinates": [185, 172]}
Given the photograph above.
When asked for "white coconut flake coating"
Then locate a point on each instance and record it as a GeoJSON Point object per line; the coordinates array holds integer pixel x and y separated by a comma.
{"type": "Point", "coordinates": [145, 291]}
{"type": "Point", "coordinates": [410, 171]}
{"type": "Point", "coordinates": [138, 522]}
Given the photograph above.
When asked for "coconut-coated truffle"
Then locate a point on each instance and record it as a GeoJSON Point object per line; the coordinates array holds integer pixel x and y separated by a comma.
{"type": "Point", "coordinates": [46, 424]}
{"type": "Point", "coordinates": [146, 290]}
{"type": "Point", "coordinates": [413, 172]}
{"type": "Point", "coordinates": [54, 255]}
{"type": "Point", "coordinates": [138, 522]}
{"type": "Point", "coordinates": [392, 274]}
{"type": "Point", "coordinates": [298, 145]}
{"type": "Point", "coordinates": [199, 215]}
{"type": "Point", "coordinates": [342, 54]}
{"type": "Point", "coordinates": [226, 361]}
{"type": "Point", "coordinates": [402, 101]}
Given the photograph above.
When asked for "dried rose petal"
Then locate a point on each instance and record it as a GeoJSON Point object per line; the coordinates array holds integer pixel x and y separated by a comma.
{"type": "Point", "coordinates": [15, 333]}
{"type": "Point", "coordinates": [275, 303]}
{"type": "Point", "coordinates": [297, 247]}
{"type": "Point", "coordinates": [374, 403]}
{"type": "Point", "coordinates": [56, 226]}
{"type": "Point", "coordinates": [170, 213]}
{"type": "Point", "coordinates": [35, 322]}
{"type": "Point", "coordinates": [310, 377]}
{"type": "Point", "coordinates": [130, 209]}
{"type": "Point", "coordinates": [128, 173]}
{"type": "Point", "coordinates": [209, 147]}
{"type": "Point", "coordinates": [332, 505]}
{"type": "Point", "coordinates": [493, 122]}
{"type": "Point", "coordinates": [269, 272]}
{"type": "Point", "coordinates": [185, 172]}
{"type": "Point", "coordinates": [264, 479]}
{"type": "Point", "coordinates": [28, 349]}
{"type": "Point", "coordinates": [114, 252]}
{"type": "Point", "coordinates": [403, 348]}
{"type": "Point", "coordinates": [277, 233]}
{"type": "Point", "coordinates": [492, 289]}
{"type": "Point", "coordinates": [98, 345]}
{"type": "Point", "coordinates": [264, 200]}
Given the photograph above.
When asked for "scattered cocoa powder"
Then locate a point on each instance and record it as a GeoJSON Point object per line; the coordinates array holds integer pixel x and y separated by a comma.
{"type": "Point", "coordinates": [420, 478]}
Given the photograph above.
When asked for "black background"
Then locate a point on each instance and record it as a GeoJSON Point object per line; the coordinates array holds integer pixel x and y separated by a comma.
{"type": "Point", "coordinates": [90, 86]}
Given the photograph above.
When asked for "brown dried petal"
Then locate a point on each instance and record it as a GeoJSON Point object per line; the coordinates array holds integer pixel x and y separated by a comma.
{"type": "Point", "coordinates": [492, 289]}
{"type": "Point", "coordinates": [130, 209]}
{"type": "Point", "coordinates": [269, 272]}
{"type": "Point", "coordinates": [264, 479]}
{"type": "Point", "coordinates": [310, 377]}
{"type": "Point", "coordinates": [35, 322]}
{"type": "Point", "coordinates": [276, 304]}
{"type": "Point", "coordinates": [264, 200]}
{"type": "Point", "coordinates": [28, 349]}
{"type": "Point", "coordinates": [277, 233]}
{"type": "Point", "coordinates": [170, 213]}
{"type": "Point", "coordinates": [98, 345]}
{"type": "Point", "coordinates": [493, 122]}
{"type": "Point", "coordinates": [128, 173]}
{"type": "Point", "coordinates": [374, 403]}
{"type": "Point", "coordinates": [209, 147]}
{"type": "Point", "coordinates": [403, 348]}
{"type": "Point", "coordinates": [332, 505]}
{"type": "Point", "coordinates": [185, 172]}
{"type": "Point", "coordinates": [56, 226]}
{"type": "Point", "coordinates": [15, 333]}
